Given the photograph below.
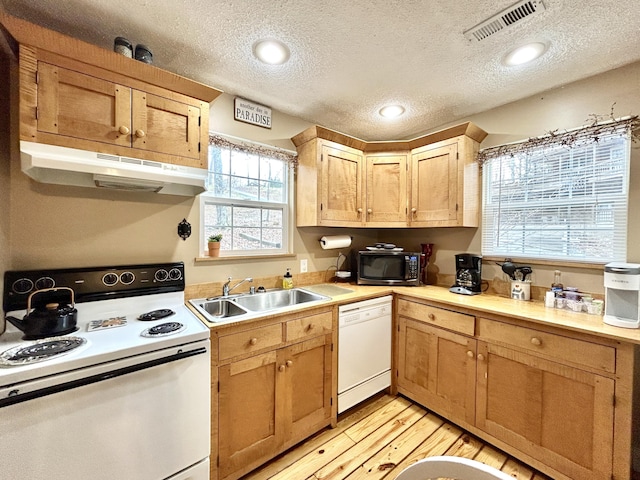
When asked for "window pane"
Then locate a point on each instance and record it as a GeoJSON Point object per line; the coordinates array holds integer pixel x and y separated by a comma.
{"type": "Point", "coordinates": [246, 217]}
{"type": "Point", "coordinates": [558, 203]}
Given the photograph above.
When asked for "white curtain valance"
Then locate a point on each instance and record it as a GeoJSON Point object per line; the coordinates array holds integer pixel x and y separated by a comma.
{"type": "Point", "coordinates": [253, 148]}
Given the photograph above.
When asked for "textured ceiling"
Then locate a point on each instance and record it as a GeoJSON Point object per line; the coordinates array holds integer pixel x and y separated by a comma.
{"type": "Point", "coordinates": [349, 58]}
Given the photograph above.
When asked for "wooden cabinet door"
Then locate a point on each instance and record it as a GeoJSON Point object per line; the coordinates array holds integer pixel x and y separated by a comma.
{"type": "Point", "coordinates": [434, 186]}
{"type": "Point", "coordinates": [248, 412]}
{"type": "Point", "coordinates": [166, 126]}
{"type": "Point", "coordinates": [307, 393]}
{"type": "Point", "coordinates": [82, 107]}
{"type": "Point", "coordinates": [341, 191]}
{"type": "Point", "coordinates": [560, 415]}
{"type": "Point", "coordinates": [386, 190]}
{"type": "Point", "coordinates": [437, 368]}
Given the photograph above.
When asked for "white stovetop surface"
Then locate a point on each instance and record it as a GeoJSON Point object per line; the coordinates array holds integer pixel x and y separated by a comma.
{"type": "Point", "coordinates": [110, 344]}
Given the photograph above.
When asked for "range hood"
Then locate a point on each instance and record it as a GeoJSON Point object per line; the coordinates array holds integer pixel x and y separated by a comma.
{"type": "Point", "coordinates": [69, 166]}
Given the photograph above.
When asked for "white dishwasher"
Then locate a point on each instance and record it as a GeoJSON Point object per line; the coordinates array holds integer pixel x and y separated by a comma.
{"type": "Point", "coordinates": [364, 350]}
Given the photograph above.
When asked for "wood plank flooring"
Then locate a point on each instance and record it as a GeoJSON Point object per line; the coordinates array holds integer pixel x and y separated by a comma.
{"type": "Point", "coordinates": [380, 439]}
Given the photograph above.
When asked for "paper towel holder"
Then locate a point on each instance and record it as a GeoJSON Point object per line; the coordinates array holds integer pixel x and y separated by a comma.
{"type": "Point", "coordinates": [329, 242]}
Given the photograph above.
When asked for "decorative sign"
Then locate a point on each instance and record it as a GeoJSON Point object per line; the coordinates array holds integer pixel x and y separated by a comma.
{"type": "Point", "coordinates": [253, 113]}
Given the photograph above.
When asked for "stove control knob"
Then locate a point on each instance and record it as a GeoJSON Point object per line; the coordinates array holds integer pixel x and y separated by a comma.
{"type": "Point", "coordinates": [45, 282]}
{"type": "Point", "coordinates": [127, 278]}
{"type": "Point", "coordinates": [175, 274]}
{"type": "Point", "coordinates": [110, 279]}
{"type": "Point", "coordinates": [161, 275]}
{"type": "Point", "coordinates": [22, 286]}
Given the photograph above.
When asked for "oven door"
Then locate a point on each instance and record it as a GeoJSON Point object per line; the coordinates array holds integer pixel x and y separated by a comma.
{"type": "Point", "coordinates": [145, 418]}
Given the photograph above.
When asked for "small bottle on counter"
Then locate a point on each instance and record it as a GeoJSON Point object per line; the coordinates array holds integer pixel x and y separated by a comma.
{"type": "Point", "coordinates": [287, 280]}
{"type": "Point", "coordinates": [557, 286]}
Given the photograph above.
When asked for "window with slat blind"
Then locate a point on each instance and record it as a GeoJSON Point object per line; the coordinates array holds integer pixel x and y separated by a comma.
{"type": "Point", "coordinates": [558, 202]}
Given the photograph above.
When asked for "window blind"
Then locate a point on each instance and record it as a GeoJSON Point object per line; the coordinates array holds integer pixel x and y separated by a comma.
{"type": "Point", "coordinates": [557, 201]}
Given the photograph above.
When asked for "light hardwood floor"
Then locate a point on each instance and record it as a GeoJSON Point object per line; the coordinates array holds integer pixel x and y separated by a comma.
{"type": "Point", "coordinates": [379, 440]}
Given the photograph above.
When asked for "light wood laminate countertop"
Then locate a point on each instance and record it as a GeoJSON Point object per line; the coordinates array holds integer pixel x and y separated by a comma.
{"type": "Point", "coordinates": [492, 305]}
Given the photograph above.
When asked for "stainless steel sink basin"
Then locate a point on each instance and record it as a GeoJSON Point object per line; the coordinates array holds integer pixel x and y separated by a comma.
{"type": "Point", "coordinates": [273, 299]}
{"type": "Point", "coordinates": [218, 309]}
{"type": "Point", "coordinates": [245, 306]}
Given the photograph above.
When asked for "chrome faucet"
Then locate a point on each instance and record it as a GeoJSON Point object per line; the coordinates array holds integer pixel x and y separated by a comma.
{"type": "Point", "coordinates": [226, 288]}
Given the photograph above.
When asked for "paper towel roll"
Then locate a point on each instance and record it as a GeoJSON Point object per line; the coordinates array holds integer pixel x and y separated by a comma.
{"type": "Point", "coordinates": [335, 241]}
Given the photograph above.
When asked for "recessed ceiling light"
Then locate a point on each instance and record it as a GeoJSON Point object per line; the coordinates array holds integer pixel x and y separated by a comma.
{"type": "Point", "coordinates": [391, 111]}
{"type": "Point", "coordinates": [525, 53]}
{"type": "Point", "coordinates": [273, 52]}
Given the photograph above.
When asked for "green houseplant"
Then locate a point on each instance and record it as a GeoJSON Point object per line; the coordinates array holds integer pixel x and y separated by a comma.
{"type": "Point", "coordinates": [213, 242]}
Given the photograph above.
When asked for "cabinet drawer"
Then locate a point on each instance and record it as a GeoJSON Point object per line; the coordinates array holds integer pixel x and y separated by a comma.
{"type": "Point", "coordinates": [310, 326]}
{"type": "Point", "coordinates": [249, 341]}
{"type": "Point", "coordinates": [458, 322]}
{"type": "Point", "coordinates": [562, 348]}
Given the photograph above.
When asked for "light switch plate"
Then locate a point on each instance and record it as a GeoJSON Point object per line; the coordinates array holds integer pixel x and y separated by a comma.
{"type": "Point", "coordinates": [303, 265]}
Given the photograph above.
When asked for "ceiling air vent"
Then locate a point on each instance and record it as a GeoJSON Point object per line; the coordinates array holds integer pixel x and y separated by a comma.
{"type": "Point", "coordinates": [507, 17]}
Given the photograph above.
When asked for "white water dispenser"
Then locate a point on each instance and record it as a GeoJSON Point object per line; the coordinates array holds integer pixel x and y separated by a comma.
{"type": "Point", "coordinates": [622, 294]}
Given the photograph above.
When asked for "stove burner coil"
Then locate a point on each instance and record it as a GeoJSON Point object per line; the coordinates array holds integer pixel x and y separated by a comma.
{"type": "Point", "coordinates": [164, 329]}
{"type": "Point", "coordinates": [156, 314]}
{"type": "Point", "coordinates": [41, 350]}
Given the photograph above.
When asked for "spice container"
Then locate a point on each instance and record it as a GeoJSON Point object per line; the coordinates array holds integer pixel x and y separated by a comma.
{"type": "Point", "coordinates": [144, 54]}
{"type": "Point", "coordinates": [123, 46]}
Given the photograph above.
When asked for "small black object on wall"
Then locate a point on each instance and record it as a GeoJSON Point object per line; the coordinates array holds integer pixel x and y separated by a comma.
{"type": "Point", "coordinates": [184, 229]}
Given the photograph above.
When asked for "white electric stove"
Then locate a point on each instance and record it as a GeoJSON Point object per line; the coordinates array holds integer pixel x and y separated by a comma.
{"type": "Point", "coordinates": [125, 395]}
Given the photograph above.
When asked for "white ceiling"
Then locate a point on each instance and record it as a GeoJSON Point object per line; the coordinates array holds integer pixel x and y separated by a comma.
{"type": "Point", "coordinates": [349, 58]}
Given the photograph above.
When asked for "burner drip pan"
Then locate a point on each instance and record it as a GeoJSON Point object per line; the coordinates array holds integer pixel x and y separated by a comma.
{"type": "Point", "coordinates": [41, 350]}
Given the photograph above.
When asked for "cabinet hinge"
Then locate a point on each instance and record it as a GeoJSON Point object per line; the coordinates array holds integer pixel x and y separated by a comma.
{"type": "Point", "coordinates": [218, 461]}
{"type": "Point", "coordinates": [37, 76]}
{"type": "Point", "coordinates": [198, 147]}
{"type": "Point", "coordinates": [456, 207]}
{"type": "Point", "coordinates": [331, 402]}
{"type": "Point", "coordinates": [218, 387]}
{"type": "Point", "coordinates": [37, 110]}
{"type": "Point", "coordinates": [199, 121]}
{"type": "Point", "coordinates": [457, 155]}
{"type": "Point", "coordinates": [320, 207]}
{"type": "Point", "coordinates": [332, 347]}
{"type": "Point", "coordinates": [322, 157]}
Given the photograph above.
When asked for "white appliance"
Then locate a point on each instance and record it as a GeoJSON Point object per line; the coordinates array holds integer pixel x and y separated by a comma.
{"type": "Point", "coordinates": [132, 401]}
{"type": "Point", "coordinates": [70, 166]}
{"type": "Point", "coordinates": [364, 350]}
{"type": "Point", "coordinates": [622, 294]}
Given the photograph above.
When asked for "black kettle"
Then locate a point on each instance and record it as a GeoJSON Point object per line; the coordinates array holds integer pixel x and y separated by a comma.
{"type": "Point", "coordinates": [53, 313]}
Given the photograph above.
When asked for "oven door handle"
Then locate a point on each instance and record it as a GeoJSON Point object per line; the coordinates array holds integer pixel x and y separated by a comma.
{"type": "Point", "coordinates": [14, 396]}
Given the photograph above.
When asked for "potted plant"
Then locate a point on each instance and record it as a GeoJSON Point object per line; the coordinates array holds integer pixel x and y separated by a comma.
{"type": "Point", "coordinates": [214, 245]}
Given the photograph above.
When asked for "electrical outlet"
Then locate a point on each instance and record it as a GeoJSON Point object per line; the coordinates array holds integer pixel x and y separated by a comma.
{"type": "Point", "coordinates": [303, 265]}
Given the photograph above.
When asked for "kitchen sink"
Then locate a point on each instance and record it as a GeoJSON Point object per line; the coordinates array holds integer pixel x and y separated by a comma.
{"type": "Point", "coordinates": [218, 309]}
{"type": "Point", "coordinates": [245, 306]}
{"type": "Point", "coordinates": [273, 299]}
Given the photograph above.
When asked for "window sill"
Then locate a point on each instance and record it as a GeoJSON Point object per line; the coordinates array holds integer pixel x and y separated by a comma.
{"type": "Point", "coordinates": [222, 258]}
{"type": "Point", "coordinates": [552, 263]}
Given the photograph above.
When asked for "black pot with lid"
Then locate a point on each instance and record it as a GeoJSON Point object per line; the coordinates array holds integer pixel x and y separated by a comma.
{"type": "Point", "coordinates": [50, 312]}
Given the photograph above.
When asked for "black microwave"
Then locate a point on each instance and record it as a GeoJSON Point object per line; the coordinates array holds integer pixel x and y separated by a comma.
{"type": "Point", "coordinates": [388, 267]}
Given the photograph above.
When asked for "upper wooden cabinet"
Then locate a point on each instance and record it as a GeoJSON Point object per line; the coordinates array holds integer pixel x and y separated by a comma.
{"type": "Point", "coordinates": [431, 181]}
{"type": "Point", "coordinates": [77, 95]}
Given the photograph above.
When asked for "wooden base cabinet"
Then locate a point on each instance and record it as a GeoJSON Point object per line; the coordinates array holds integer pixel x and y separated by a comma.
{"type": "Point", "coordinates": [271, 400]}
{"type": "Point", "coordinates": [542, 396]}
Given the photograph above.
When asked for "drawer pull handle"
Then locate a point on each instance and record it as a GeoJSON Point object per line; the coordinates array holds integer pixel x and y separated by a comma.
{"type": "Point", "coordinates": [480, 357]}
{"type": "Point", "coordinates": [470, 354]}
{"type": "Point", "coordinates": [281, 368]}
{"type": "Point", "coordinates": [289, 363]}
{"type": "Point", "coordinates": [536, 341]}
{"type": "Point", "coordinates": [310, 326]}
{"type": "Point", "coordinates": [123, 130]}
{"type": "Point", "coordinates": [253, 341]}
{"type": "Point", "coordinates": [140, 133]}
{"type": "Point", "coordinates": [431, 316]}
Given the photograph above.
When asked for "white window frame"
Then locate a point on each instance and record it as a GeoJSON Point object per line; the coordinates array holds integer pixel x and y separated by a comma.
{"type": "Point", "coordinates": [560, 251]}
{"type": "Point", "coordinates": [208, 198]}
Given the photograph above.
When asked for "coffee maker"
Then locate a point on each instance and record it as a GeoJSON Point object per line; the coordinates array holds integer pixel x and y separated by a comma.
{"type": "Point", "coordinates": [468, 274]}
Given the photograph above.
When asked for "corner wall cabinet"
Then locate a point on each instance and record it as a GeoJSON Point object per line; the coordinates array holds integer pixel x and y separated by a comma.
{"type": "Point", "coordinates": [77, 95]}
{"type": "Point", "coordinates": [431, 181]}
{"type": "Point", "coordinates": [274, 388]}
{"type": "Point", "coordinates": [545, 396]}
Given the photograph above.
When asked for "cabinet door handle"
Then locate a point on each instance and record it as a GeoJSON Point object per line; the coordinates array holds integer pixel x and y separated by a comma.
{"type": "Point", "coordinates": [369, 210]}
{"type": "Point", "coordinates": [253, 341]}
{"type": "Point", "coordinates": [360, 210]}
{"type": "Point", "coordinates": [140, 133]}
{"type": "Point", "coordinates": [480, 357]}
{"type": "Point", "coordinates": [470, 354]}
{"type": "Point", "coordinates": [123, 130]}
{"type": "Point", "coordinates": [310, 326]}
{"type": "Point", "coordinates": [536, 341]}
{"type": "Point", "coordinates": [414, 210]}
{"type": "Point", "coordinates": [281, 368]}
{"type": "Point", "coordinates": [289, 363]}
{"type": "Point", "coordinates": [431, 316]}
